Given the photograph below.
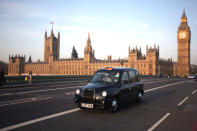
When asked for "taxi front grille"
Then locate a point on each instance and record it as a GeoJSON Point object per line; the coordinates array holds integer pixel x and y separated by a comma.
{"type": "Point", "coordinates": [88, 93]}
{"type": "Point", "coordinates": [86, 100]}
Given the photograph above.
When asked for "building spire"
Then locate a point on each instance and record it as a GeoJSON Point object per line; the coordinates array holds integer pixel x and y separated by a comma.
{"type": "Point", "coordinates": [184, 18]}
{"type": "Point", "coordinates": [89, 41]}
{"type": "Point", "coordinates": [52, 27]}
{"type": "Point", "coordinates": [88, 35]}
{"type": "Point", "coordinates": [184, 15]}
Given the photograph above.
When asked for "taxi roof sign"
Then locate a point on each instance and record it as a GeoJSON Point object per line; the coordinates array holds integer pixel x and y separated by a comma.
{"type": "Point", "coordinates": [108, 68]}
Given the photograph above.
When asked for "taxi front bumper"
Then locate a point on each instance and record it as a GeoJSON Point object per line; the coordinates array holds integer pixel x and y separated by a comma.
{"type": "Point", "coordinates": [102, 103]}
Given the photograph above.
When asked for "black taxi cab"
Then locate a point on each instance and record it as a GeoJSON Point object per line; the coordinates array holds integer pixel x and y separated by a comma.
{"type": "Point", "coordinates": [109, 88]}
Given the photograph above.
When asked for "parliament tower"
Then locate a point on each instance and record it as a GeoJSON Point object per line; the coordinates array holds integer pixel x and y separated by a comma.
{"type": "Point", "coordinates": [183, 42]}
{"type": "Point", "coordinates": [51, 47]}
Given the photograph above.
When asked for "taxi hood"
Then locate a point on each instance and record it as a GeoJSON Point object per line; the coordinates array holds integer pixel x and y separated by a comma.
{"type": "Point", "coordinates": [100, 86]}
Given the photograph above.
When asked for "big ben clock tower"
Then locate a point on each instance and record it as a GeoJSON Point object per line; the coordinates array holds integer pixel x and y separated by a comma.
{"type": "Point", "coordinates": [183, 42]}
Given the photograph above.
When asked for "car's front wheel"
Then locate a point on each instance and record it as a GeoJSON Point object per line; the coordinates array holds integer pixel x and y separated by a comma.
{"type": "Point", "coordinates": [114, 105]}
{"type": "Point", "coordinates": [139, 97]}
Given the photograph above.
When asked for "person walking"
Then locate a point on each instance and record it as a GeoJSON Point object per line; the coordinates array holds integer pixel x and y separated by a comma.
{"type": "Point", "coordinates": [30, 78]}
{"type": "Point", "coordinates": [2, 74]}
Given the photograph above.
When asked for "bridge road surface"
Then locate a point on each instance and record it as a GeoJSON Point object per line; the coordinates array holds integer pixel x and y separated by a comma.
{"type": "Point", "coordinates": [168, 105]}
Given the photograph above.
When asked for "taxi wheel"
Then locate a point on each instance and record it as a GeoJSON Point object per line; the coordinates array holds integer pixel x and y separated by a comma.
{"type": "Point", "coordinates": [139, 97]}
{"type": "Point", "coordinates": [114, 105]}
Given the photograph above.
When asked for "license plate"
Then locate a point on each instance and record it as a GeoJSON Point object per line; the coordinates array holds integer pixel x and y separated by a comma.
{"type": "Point", "coordinates": [86, 105]}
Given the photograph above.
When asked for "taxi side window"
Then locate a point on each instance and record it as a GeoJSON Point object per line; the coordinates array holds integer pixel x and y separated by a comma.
{"type": "Point", "coordinates": [125, 77]}
{"type": "Point", "coordinates": [132, 76]}
{"type": "Point", "coordinates": [138, 78]}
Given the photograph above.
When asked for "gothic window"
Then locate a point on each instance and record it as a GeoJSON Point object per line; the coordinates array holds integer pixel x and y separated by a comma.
{"type": "Point", "coordinates": [150, 66]}
{"type": "Point", "coordinates": [48, 48]}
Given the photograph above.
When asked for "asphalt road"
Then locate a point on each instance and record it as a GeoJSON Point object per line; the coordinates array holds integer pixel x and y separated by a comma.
{"type": "Point", "coordinates": [168, 105]}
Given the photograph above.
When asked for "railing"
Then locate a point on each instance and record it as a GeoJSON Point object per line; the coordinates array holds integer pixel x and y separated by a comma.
{"type": "Point", "coordinates": [22, 80]}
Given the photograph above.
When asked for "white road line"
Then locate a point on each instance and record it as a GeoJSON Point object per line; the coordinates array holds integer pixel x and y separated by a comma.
{"type": "Point", "coordinates": [32, 100]}
{"type": "Point", "coordinates": [69, 93]}
{"type": "Point", "coordinates": [164, 86]}
{"type": "Point", "coordinates": [18, 100]}
{"type": "Point", "coordinates": [183, 101]}
{"type": "Point", "coordinates": [48, 84]}
{"type": "Point", "coordinates": [158, 122]}
{"type": "Point", "coordinates": [39, 119]}
{"type": "Point", "coordinates": [48, 90]}
{"type": "Point", "coordinates": [155, 81]}
{"type": "Point", "coordinates": [26, 92]}
{"type": "Point", "coordinates": [7, 94]}
{"type": "Point", "coordinates": [193, 92]}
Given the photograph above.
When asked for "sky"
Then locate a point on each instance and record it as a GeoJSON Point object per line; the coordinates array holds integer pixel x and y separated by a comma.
{"type": "Point", "coordinates": [114, 25]}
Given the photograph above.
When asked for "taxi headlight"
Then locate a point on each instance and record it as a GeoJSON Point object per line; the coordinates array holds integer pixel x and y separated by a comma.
{"type": "Point", "coordinates": [77, 91]}
{"type": "Point", "coordinates": [104, 93]}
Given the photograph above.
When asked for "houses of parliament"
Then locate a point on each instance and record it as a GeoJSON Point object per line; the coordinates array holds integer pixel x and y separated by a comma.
{"type": "Point", "coordinates": [147, 64]}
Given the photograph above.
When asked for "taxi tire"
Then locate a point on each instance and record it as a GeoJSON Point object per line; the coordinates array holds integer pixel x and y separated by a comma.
{"type": "Point", "coordinates": [139, 97]}
{"type": "Point", "coordinates": [114, 105]}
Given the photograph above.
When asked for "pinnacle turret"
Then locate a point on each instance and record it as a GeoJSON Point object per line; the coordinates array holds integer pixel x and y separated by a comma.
{"type": "Point", "coordinates": [184, 15]}
{"type": "Point", "coordinates": [52, 32]}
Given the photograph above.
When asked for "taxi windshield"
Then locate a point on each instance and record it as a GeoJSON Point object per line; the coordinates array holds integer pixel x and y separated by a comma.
{"type": "Point", "coordinates": [106, 76]}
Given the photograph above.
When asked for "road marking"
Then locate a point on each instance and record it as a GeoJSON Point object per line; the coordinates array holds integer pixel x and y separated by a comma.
{"type": "Point", "coordinates": [53, 84]}
{"type": "Point", "coordinates": [183, 101]}
{"type": "Point", "coordinates": [69, 93]}
{"type": "Point", "coordinates": [18, 100]}
{"type": "Point", "coordinates": [39, 119]}
{"type": "Point", "coordinates": [25, 101]}
{"type": "Point", "coordinates": [158, 122]}
{"type": "Point", "coordinates": [155, 81]}
{"type": "Point", "coordinates": [26, 92]}
{"type": "Point", "coordinates": [48, 90]}
{"type": "Point", "coordinates": [193, 92]}
{"type": "Point", "coordinates": [164, 86]}
{"type": "Point", "coordinates": [7, 94]}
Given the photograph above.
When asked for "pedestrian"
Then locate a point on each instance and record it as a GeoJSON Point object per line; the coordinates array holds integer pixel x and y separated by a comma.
{"type": "Point", "coordinates": [2, 78]}
{"type": "Point", "coordinates": [30, 78]}
{"type": "Point", "coordinates": [168, 75]}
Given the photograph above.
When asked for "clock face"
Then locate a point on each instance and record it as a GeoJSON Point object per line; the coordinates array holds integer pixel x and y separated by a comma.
{"type": "Point", "coordinates": [182, 35]}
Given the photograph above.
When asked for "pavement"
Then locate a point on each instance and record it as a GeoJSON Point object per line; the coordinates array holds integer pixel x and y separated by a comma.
{"type": "Point", "coordinates": [168, 105]}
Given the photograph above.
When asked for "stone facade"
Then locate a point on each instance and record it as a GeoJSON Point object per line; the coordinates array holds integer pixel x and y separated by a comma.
{"type": "Point", "coordinates": [147, 64]}
{"type": "Point", "coordinates": [51, 47]}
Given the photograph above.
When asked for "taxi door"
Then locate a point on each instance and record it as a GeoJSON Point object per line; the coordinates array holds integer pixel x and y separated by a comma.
{"type": "Point", "coordinates": [132, 84]}
{"type": "Point", "coordinates": [124, 90]}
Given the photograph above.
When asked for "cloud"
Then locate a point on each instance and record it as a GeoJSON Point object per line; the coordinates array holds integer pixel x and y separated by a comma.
{"type": "Point", "coordinates": [104, 42]}
{"type": "Point", "coordinates": [13, 9]}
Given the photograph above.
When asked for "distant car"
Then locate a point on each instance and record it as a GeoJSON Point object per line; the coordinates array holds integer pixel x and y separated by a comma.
{"type": "Point", "coordinates": [191, 76]}
{"type": "Point", "coordinates": [196, 78]}
{"type": "Point", "coordinates": [109, 88]}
